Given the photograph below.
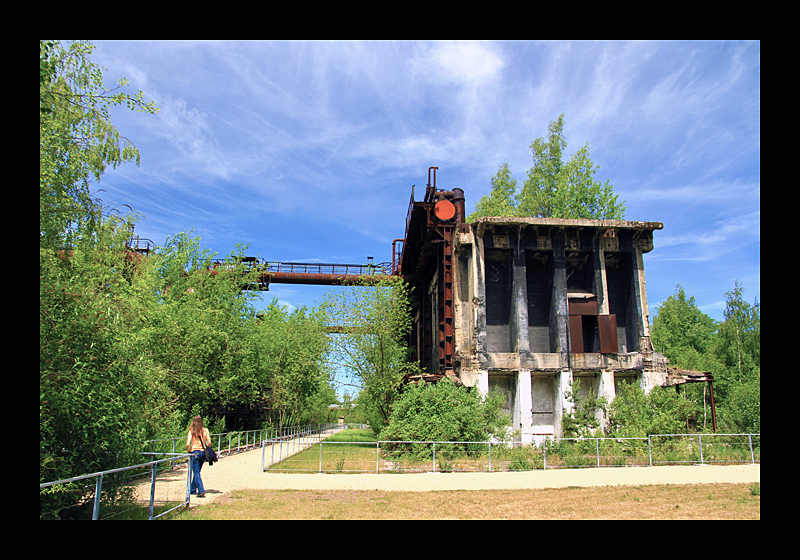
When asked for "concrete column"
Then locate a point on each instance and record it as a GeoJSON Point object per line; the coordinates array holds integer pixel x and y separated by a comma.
{"type": "Point", "coordinates": [562, 405]}
{"type": "Point", "coordinates": [560, 296]}
{"type": "Point", "coordinates": [600, 281]}
{"type": "Point", "coordinates": [483, 382]}
{"type": "Point", "coordinates": [640, 300]}
{"type": "Point", "coordinates": [524, 404]}
{"type": "Point", "coordinates": [606, 389]}
{"type": "Point", "coordinates": [519, 305]}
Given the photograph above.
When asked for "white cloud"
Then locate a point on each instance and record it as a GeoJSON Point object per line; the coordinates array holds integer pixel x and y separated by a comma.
{"type": "Point", "coordinates": [467, 63]}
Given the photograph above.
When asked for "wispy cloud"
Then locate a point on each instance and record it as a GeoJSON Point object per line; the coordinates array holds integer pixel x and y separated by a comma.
{"type": "Point", "coordinates": [309, 148]}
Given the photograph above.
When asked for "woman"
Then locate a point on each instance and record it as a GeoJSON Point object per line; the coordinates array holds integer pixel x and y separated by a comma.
{"type": "Point", "coordinates": [196, 441]}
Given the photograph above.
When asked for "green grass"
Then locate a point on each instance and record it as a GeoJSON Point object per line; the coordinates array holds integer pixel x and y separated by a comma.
{"type": "Point", "coordinates": [346, 451]}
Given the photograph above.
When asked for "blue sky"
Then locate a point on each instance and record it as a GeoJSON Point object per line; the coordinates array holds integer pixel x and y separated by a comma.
{"type": "Point", "coordinates": [306, 151]}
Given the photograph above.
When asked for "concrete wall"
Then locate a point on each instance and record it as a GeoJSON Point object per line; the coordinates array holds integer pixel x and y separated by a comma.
{"type": "Point", "coordinates": [512, 314]}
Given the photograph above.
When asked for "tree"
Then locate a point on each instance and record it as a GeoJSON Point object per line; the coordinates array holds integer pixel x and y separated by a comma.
{"type": "Point", "coordinates": [633, 413]}
{"type": "Point", "coordinates": [501, 199]}
{"type": "Point", "coordinates": [553, 188]}
{"type": "Point", "coordinates": [683, 333]}
{"type": "Point", "coordinates": [738, 347]}
{"type": "Point", "coordinates": [375, 321]}
{"type": "Point", "coordinates": [292, 348]}
{"type": "Point", "coordinates": [584, 418]}
{"type": "Point", "coordinates": [76, 138]}
{"type": "Point", "coordinates": [444, 412]}
{"type": "Point", "coordinates": [99, 398]}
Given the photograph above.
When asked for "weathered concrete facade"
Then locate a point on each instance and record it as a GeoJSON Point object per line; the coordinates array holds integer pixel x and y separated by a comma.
{"type": "Point", "coordinates": [539, 302]}
{"type": "Point", "coordinates": [524, 306]}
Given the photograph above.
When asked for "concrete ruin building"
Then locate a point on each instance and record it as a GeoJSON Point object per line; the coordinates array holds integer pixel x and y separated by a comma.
{"type": "Point", "coordinates": [525, 306]}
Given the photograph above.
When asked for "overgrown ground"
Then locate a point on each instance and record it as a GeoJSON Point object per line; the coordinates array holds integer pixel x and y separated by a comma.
{"type": "Point", "coordinates": [702, 501]}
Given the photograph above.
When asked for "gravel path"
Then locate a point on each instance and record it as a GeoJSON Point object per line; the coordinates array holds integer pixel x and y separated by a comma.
{"type": "Point", "coordinates": [243, 471]}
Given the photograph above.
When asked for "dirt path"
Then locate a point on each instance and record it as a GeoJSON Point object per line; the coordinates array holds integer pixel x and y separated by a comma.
{"type": "Point", "coordinates": [243, 471]}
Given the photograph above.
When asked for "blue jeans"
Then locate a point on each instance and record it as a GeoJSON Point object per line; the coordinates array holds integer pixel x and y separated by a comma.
{"type": "Point", "coordinates": [199, 457]}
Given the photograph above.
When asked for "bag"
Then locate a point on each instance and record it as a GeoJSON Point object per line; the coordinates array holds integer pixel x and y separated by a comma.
{"type": "Point", "coordinates": [211, 455]}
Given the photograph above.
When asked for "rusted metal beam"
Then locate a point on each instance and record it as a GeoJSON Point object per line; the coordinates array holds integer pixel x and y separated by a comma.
{"type": "Point", "coordinates": [323, 279]}
{"type": "Point", "coordinates": [677, 377]}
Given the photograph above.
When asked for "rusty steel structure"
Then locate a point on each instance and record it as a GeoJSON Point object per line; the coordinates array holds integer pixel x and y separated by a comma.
{"type": "Point", "coordinates": [316, 273]}
{"type": "Point", "coordinates": [427, 254]}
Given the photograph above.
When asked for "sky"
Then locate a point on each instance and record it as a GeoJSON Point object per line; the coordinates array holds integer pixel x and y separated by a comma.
{"type": "Point", "coordinates": [307, 151]}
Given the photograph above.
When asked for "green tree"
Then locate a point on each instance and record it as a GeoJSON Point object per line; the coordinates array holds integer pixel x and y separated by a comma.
{"type": "Point", "coordinates": [76, 138]}
{"type": "Point", "coordinates": [99, 396]}
{"type": "Point", "coordinates": [445, 411]}
{"type": "Point", "coordinates": [684, 334]}
{"type": "Point", "coordinates": [372, 347]}
{"type": "Point", "coordinates": [553, 188]}
{"type": "Point", "coordinates": [292, 349]}
{"type": "Point", "coordinates": [738, 348]}
{"type": "Point", "coordinates": [633, 413]}
{"type": "Point", "coordinates": [585, 417]}
{"type": "Point", "coordinates": [501, 200]}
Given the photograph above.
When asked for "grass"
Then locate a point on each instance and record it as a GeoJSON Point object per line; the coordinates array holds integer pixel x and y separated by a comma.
{"type": "Point", "coordinates": [702, 501]}
{"type": "Point", "coordinates": [349, 450]}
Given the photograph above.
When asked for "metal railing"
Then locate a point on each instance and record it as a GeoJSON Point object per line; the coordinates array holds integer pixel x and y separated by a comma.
{"type": "Point", "coordinates": [287, 446]}
{"type": "Point", "coordinates": [487, 456]}
{"type": "Point", "coordinates": [290, 438]}
{"type": "Point", "coordinates": [152, 466]}
{"type": "Point", "coordinates": [234, 442]}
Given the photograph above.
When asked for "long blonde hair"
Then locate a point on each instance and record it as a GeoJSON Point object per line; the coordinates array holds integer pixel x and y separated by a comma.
{"type": "Point", "coordinates": [196, 427]}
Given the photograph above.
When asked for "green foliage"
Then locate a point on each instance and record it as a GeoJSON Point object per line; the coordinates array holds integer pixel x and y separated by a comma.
{"type": "Point", "coordinates": [372, 349]}
{"type": "Point", "coordinates": [444, 411]}
{"type": "Point", "coordinates": [661, 411]}
{"type": "Point", "coordinates": [501, 200]}
{"type": "Point", "coordinates": [100, 396]}
{"type": "Point", "coordinates": [76, 138]}
{"type": "Point", "coordinates": [683, 333]}
{"type": "Point", "coordinates": [584, 417]}
{"type": "Point", "coordinates": [553, 188]}
{"type": "Point", "coordinates": [132, 347]}
{"type": "Point", "coordinates": [730, 350]}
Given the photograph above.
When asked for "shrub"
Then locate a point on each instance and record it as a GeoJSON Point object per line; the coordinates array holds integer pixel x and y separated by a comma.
{"type": "Point", "coordinates": [443, 411]}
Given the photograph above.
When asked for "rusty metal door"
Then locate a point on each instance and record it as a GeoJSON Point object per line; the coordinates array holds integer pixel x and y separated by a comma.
{"type": "Point", "coordinates": [576, 334]}
{"type": "Point", "coordinates": [607, 329]}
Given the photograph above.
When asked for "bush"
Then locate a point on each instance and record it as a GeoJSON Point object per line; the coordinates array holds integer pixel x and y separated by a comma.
{"type": "Point", "coordinates": [443, 411]}
{"type": "Point", "coordinates": [661, 411]}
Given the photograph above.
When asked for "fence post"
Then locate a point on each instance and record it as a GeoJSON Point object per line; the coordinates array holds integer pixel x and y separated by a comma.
{"type": "Point", "coordinates": [597, 446]}
{"type": "Point", "coordinates": [490, 455]}
{"type": "Point", "coordinates": [544, 453]}
{"type": "Point", "coordinates": [434, 456]}
{"type": "Point", "coordinates": [189, 480]}
{"type": "Point", "coordinates": [98, 488]}
{"type": "Point", "coordinates": [152, 487]}
{"type": "Point", "coordinates": [649, 450]}
{"type": "Point", "coordinates": [752, 455]}
{"type": "Point", "coordinates": [377, 457]}
{"type": "Point", "coordinates": [700, 443]}
{"type": "Point", "coordinates": [320, 455]}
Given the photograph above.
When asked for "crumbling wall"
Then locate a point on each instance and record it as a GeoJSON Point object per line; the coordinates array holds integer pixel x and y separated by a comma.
{"type": "Point", "coordinates": [541, 301]}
